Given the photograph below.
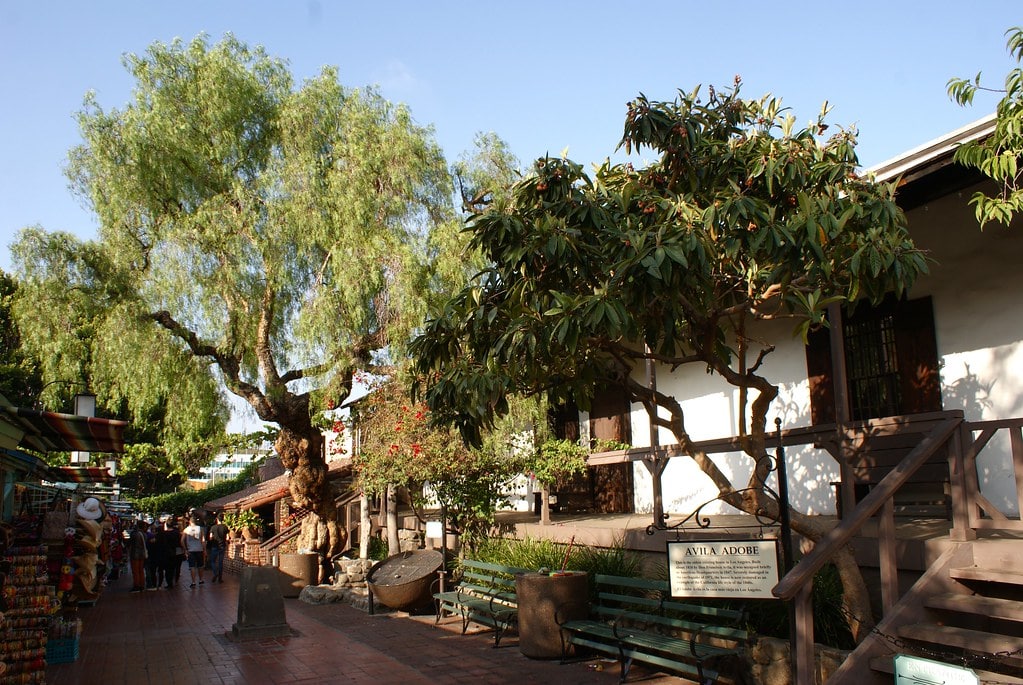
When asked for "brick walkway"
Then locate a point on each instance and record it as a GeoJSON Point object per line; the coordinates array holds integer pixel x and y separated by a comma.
{"type": "Point", "coordinates": [181, 636]}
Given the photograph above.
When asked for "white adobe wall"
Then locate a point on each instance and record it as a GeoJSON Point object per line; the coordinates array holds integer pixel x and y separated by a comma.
{"type": "Point", "coordinates": [711, 410]}
{"type": "Point", "coordinates": [978, 311]}
{"type": "Point", "coordinates": [976, 287]}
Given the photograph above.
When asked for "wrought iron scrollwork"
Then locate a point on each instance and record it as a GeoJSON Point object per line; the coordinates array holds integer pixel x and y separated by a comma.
{"type": "Point", "coordinates": [765, 466]}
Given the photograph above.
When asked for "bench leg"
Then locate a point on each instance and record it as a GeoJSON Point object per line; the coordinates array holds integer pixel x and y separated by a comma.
{"type": "Point", "coordinates": [626, 663]}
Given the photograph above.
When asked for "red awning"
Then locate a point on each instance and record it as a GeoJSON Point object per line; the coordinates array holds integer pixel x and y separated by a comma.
{"type": "Point", "coordinates": [83, 474]}
{"type": "Point", "coordinates": [52, 432]}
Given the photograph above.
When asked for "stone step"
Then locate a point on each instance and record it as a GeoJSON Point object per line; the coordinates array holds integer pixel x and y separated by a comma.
{"type": "Point", "coordinates": [991, 607]}
{"type": "Point", "coordinates": [972, 640]}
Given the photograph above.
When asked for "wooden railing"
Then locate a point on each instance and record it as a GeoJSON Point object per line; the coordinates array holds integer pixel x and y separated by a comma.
{"type": "Point", "coordinates": [344, 503]}
{"type": "Point", "coordinates": [971, 512]}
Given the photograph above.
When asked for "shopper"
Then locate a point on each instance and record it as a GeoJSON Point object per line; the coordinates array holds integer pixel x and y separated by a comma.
{"type": "Point", "coordinates": [158, 553]}
{"type": "Point", "coordinates": [217, 546]}
{"type": "Point", "coordinates": [171, 542]}
{"type": "Point", "coordinates": [137, 554]}
{"type": "Point", "coordinates": [153, 559]}
{"type": "Point", "coordinates": [193, 540]}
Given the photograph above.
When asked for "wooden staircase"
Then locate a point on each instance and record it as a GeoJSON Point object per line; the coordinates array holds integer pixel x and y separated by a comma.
{"type": "Point", "coordinates": [966, 610]}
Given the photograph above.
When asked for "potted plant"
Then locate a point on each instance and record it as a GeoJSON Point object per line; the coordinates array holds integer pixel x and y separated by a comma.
{"type": "Point", "coordinates": [244, 521]}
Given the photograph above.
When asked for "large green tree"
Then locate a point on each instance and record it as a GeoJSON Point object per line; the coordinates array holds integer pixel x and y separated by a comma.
{"type": "Point", "coordinates": [741, 218]}
{"type": "Point", "coordinates": [999, 155]}
{"type": "Point", "coordinates": [274, 233]}
{"type": "Point", "coordinates": [20, 380]}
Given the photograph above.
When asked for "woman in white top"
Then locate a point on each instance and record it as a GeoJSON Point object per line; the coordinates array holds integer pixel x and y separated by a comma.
{"type": "Point", "coordinates": [193, 541]}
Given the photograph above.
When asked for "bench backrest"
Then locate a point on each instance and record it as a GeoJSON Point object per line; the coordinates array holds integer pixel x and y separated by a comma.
{"type": "Point", "coordinates": [648, 600]}
{"type": "Point", "coordinates": [484, 576]}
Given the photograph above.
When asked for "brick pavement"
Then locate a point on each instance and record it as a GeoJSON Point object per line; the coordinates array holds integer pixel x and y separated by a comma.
{"type": "Point", "coordinates": [177, 636]}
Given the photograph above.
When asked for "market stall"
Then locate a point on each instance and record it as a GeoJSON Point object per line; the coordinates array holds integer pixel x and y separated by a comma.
{"type": "Point", "coordinates": [58, 540]}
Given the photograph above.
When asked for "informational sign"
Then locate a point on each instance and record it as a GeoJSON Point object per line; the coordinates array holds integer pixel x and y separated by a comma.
{"type": "Point", "coordinates": [741, 569]}
{"type": "Point", "coordinates": [434, 529]}
{"type": "Point", "coordinates": [912, 670]}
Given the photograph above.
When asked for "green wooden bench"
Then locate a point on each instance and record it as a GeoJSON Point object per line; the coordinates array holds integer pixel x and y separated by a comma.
{"type": "Point", "coordinates": [485, 595]}
{"type": "Point", "coordinates": [635, 619]}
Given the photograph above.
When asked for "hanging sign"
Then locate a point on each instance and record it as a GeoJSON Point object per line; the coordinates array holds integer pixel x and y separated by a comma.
{"type": "Point", "coordinates": [741, 569]}
{"type": "Point", "coordinates": [912, 670]}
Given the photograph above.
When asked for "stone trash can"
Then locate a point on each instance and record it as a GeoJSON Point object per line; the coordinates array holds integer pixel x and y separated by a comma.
{"type": "Point", "coordinates": [295, 571]}
{"type": "Point", "coordinates": [543, 598]}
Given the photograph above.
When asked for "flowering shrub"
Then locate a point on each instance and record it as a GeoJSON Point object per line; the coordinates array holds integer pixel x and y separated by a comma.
{"type": "Point", "coordinates": [400, 447]}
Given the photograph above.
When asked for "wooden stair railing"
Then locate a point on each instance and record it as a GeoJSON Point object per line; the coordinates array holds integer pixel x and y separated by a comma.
{"type": "Point", "coordinates": [796, 585]}
{"type": "Point", "coordinates": [342, 502]}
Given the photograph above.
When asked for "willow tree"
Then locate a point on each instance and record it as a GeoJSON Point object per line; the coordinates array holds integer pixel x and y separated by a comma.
{"type": "Point", "coordinates": [272, 231]}
{"type": "Point", "coordinates": [741, 218]}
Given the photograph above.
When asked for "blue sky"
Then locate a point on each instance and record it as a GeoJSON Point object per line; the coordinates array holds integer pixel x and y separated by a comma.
{"type": "Point", "coordinates": [545, 76]}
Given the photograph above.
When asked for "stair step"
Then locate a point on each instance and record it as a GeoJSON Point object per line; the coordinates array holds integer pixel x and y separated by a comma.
{"type": "Point", "coordinates": [1004, 609]}
{"type": "Point", "coordinates": [973, 640]}
{"type": "Point", "coordinates": [886, 664]}
{"type": "Point", "coordinates": [997, 552]}
{"type": "Point", "coordinates": [986, 574]}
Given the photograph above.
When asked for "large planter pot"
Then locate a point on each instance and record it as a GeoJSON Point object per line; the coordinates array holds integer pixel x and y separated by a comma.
{"type": "Point", "coordinates": [296, 571]}
{"type": "Point", "coordinates": [543, 599]}
{"type": "Point", "coordinates": [404, 581]}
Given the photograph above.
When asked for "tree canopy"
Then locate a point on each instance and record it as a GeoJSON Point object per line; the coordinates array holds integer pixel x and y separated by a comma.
{"type": "Point", "coordinates": [274, 235]}
{"type": "Point", "coordinates": [998, 156]}
{"type": "Point", "coordinates": [742, 218]}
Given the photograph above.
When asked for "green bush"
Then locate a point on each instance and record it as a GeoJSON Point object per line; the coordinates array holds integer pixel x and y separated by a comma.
{"type": "Point", "coordinates": [538, 554]}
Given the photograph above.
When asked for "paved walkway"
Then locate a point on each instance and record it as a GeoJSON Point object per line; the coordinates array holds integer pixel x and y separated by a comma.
{"type": "Point", "coordinates": [182, 636]}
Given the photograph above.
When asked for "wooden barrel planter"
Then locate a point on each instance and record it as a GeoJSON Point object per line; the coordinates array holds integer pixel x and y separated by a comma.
{"type": "Point", "coordinates": [404, 581]}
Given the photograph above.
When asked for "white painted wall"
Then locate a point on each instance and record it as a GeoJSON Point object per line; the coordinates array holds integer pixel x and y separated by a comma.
{"type": "Point", "coordinates": [976, 286]}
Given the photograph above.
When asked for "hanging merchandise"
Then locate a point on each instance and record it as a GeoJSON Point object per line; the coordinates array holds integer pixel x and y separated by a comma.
{"type": "Point", "coordinates": [31, 605]}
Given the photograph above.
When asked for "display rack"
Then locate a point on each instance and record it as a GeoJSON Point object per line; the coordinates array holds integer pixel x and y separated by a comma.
{"type": "Point", "coordinates": [29, 606]}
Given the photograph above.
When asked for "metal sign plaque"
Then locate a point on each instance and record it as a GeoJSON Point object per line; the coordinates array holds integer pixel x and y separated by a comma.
{"type": "Point", "coordinates": [739, 569]}
{"type": "Point", "coordinates": [912, 670]}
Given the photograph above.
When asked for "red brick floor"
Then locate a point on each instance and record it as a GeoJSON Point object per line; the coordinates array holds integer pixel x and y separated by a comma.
{"type": "Point", "coordinates": [182, 636]}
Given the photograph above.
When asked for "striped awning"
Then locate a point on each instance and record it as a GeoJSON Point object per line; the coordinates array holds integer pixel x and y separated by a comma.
{"type": "Point", "coordinates": [46, 431]}
{"type": "Point", "coordinates": [83, 474]}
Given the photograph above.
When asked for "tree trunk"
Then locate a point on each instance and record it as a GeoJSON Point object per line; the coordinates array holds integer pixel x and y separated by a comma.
{"type": "Point", "coordinates": [393, 546]}
{"type": "Point", "coordinates": [300, 453]}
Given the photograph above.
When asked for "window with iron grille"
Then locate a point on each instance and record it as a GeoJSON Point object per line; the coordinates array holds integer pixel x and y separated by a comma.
{"type": "Point", "coordinates": [891, 362]}
{"type": "Point", "coordinates": [872, 364]}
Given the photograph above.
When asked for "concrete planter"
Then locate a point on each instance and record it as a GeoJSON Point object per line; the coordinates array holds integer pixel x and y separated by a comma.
{"type": "Point", "coordinates": [296, 571]}
{"type": "Point", "coordinates": [542, 599]}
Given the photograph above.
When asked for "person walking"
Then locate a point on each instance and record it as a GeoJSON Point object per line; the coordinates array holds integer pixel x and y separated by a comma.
{"type": "Point", "coordinates": [153, 559]}
{"type": "Point", "coordinates": [193, 540]}
{"type": "Point", "coordinates": [170, 542]}
{"type": "Point", "coordinates": [217, 546]}
{"type": "Point", "coordinates": [137, 553]}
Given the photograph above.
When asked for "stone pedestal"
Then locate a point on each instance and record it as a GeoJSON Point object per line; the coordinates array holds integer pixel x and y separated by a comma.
{"type": "Point", "coordinates": [260, 605]}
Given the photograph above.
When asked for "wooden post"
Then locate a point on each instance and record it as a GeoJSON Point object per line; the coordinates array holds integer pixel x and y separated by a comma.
{"type": "Point", "coordinates": [957, 480]}
{"type": "Point", "coordinates": [365, 525]}
{"type": "Point", "coordinates": [393, 545]}
{"type": "Point", "coordinates": [803, 666]}
{"type": "Point", "coordinates": [545, 504]}
{"type": "Point", "coordinates": [887, 557]}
